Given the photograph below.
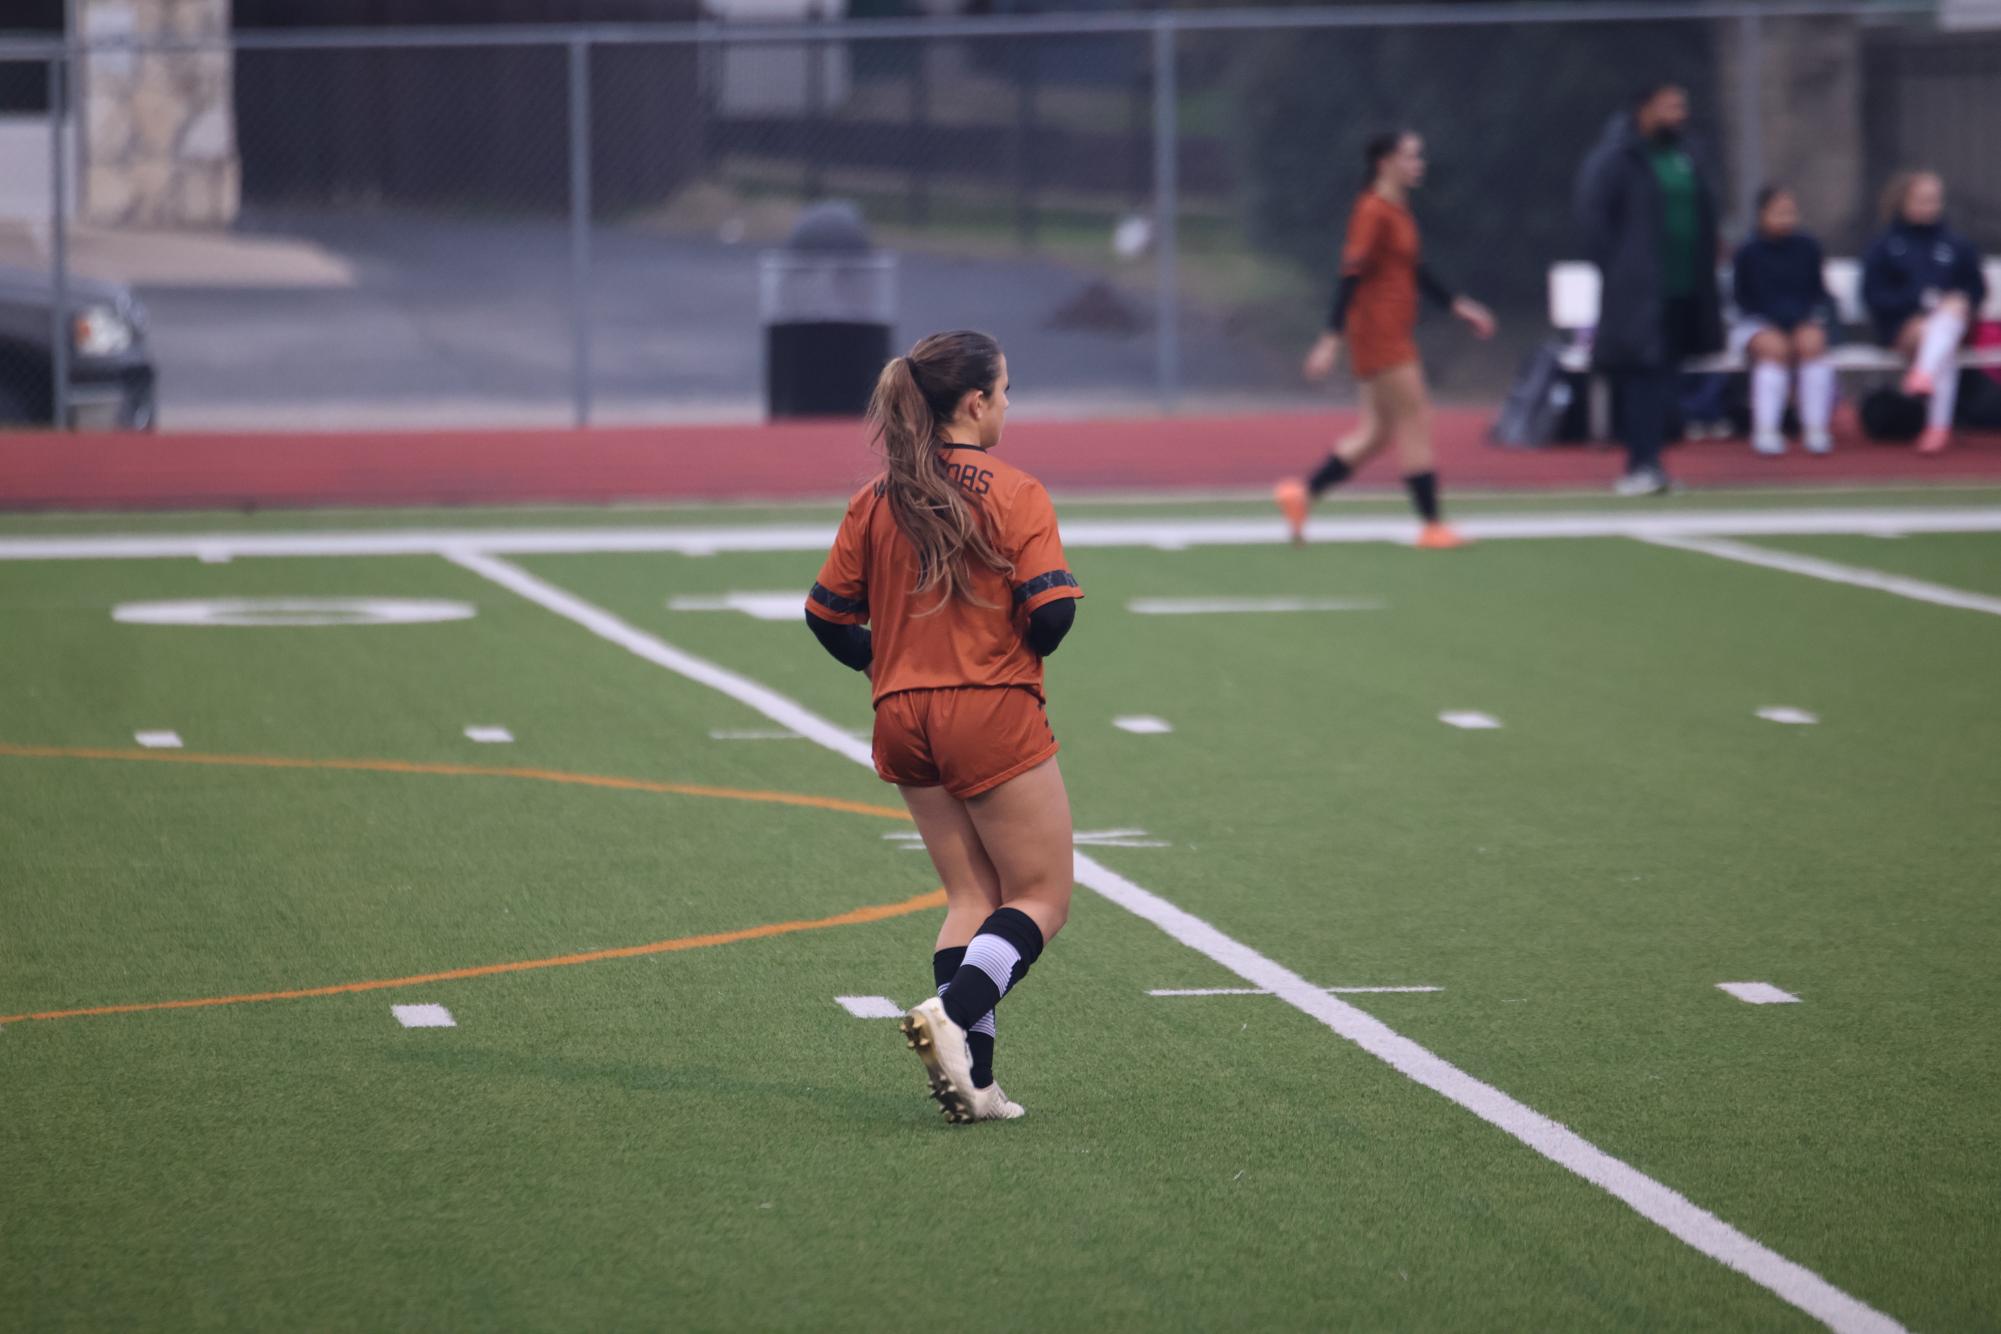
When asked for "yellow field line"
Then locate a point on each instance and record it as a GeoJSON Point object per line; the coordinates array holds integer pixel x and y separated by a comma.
{"type": "Point", "coordinates": [452, 771]}
{"type": "Point", "coordinates": [873, 913]}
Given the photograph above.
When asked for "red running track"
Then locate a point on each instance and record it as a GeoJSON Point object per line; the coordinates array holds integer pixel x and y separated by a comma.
{"type": "Point", "coordinates": [814, 460]}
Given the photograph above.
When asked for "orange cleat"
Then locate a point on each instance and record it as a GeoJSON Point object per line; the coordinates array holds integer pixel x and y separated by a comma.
{"type": "Point", "coordinates": [1439, 537]}
{"type": "Point", "coordinates": [1918, 383]}
{"type": "Point", "coordinates": [1935, 440]}
{"type": "Point", "coordinates": [1293, 503]}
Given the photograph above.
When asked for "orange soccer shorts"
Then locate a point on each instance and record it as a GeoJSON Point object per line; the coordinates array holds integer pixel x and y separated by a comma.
{"type": "Point", "coordinates": [967, 739]}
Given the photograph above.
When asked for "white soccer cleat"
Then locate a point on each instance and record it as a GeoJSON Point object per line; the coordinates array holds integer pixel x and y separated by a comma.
{"type": "Point", "coordinates": [1641, 482]}
{"type": "Point", "coordinates": [1769, 443]}
{"type": "Point", "coordinates": [1819, 442]}
{"type": "Point", "coordinates": [941, 1045]}
{"type": "Point", "coordinates": [990, 1104]}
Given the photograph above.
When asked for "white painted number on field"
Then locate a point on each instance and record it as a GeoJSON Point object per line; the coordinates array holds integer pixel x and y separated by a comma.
{"type": "Point", "coordinates": [1468, 719]}
{"type": "Point", "coordinates": [1758, 993]}
{"type": "Point", "coordinates": [292, 611]}
{"type": "Point", "coordinates": [158, 740]}
{"type": "Point", "coordinates": [1780, 713]}
{"type": "Point", "coordinates": [870, 1007]}
{"type": "Point", "coordinates": [1228, 606]}
{"type": "Point", "coordinates": [492, 736]}
{"type": "Point", "coordinates": [764, 606]}
{"type": "Point", "coordinates": [1143, 723]}
{"type": "Point", "coordinates": [423, 1016]}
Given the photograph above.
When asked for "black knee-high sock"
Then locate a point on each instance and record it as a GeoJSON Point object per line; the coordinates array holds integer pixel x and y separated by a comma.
{"type": "Point", "coordinates": [1423, 487]}
{"type": "Point", "coordinates": [1329, 475]}
{"type": "Point", "coordinates": [1007, 943]}
{"type": "Point", "coordinates": [980, 1037]}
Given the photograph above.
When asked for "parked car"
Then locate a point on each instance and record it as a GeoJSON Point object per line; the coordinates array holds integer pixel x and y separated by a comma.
{"type": "Point", "coordinates": [111, 377]}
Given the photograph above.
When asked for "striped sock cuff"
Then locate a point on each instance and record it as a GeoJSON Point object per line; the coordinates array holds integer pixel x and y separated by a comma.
{"type": "Point", "coordinates": [985, 1025]}
{"type": "Point", "coordinates": [994, 957]}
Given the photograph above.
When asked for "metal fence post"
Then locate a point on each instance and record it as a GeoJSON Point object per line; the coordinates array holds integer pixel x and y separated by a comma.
{"type": "Point", "coordinates": [1750, 116]}
{"type": "Point", "coordinates": [580, 229]}
{"type": "Point", "coordinates": [816, 107]}
{"type": "Point", "coordinates": [59, 319]}
{"type": "Point", "coordinates": [917, 197]}
{"type": "Point", "coordinates": [1166, 204]}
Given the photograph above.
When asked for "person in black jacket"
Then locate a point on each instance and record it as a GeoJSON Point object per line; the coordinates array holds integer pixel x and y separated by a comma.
{"type": "Point", "coordinates": [1649, 220]}
{"type": "Point", "coordinates": [1783, 313]}
{"type": "Point", "coordinates": [1922, 284]}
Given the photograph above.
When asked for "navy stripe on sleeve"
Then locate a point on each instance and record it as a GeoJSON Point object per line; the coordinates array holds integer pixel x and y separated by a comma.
{"type": "Point", "coordinates": [834, 602]}
{"type": "Point", "coordinates": [1042, 583]}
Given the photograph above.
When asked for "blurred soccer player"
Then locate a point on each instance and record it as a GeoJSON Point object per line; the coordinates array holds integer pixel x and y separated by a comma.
{"type": "Point", "coordinates": [1783, 314]}
{"type": "Point", "coordinates": [1375, 306]}
{"type": "Point", "coordinates": [953, 557]}
{"type": "Point", "coordinates": [1922, 283]}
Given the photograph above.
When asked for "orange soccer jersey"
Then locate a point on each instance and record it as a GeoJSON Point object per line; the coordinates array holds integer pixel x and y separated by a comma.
{"type": "Point", "coordinates": [869, 575]}
{"type": "Point", "coordinates": [1382, 252]}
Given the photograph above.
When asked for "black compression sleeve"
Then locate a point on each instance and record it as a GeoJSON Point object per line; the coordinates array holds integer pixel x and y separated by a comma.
{"type": "Point", "coordinates": [850, 645]}
{"type": "Point", "coordinates": [1344, 292]}
{"type": "Point", "coordinates": [1048, 623]}
{"type": "Point", "coordinates": [1433, 289]}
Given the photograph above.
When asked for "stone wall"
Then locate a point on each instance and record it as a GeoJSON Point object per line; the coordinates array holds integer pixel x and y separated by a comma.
{"type": "Point", "coordinates": [159, 146]}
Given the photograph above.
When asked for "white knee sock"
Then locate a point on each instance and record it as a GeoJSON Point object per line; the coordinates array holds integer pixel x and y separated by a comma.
{"type": "Point", "coordinates": [1816, 394]}
{"type": "Point", "coordinates": [1943, 332]}
{"type": "Point", "coordinates": [1768, 397]}
{"type": "Point", "coordinates": [1945, 393]}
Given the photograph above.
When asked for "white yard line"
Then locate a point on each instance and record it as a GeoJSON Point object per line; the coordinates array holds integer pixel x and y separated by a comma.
{"type": "Point", "coordinates": [1254, 991]}
{"type": "Point", "coordinates": [423, 1016]}
{"type": "Point", "coordinates": [602, 623]}
{"type": "Point", "coordinates": [1813, 567]}
{"type": "Point", "coordinates": [1699, 1228]}
{"type": "Point", "coordinates": [1758, 993]}
{"type": "Point", "coordinates": [1158, 533]}
{"type": "Point", "coordinates": [870, 1007]}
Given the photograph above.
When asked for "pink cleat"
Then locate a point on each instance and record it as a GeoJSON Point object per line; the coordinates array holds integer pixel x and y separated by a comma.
{"type": "Point", "coordinates": [1293, 503]}
{"type": "Point", "coordinates": [1439, 537]}
{"type": "Point", "coordinates": [1918, 382]}
{"type": "Point", "coordinates": [1935, 440]}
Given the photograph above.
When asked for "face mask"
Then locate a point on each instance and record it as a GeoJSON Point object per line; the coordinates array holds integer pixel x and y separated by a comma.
{"type": "Point", "coordinates": [1666, 136]}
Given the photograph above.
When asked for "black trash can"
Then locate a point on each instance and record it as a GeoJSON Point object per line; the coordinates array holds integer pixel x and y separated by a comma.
{"type": "Point", "coordinates": [828, 302]}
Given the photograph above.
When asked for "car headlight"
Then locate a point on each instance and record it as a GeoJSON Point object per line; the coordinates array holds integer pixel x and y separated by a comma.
{"type": "Point", "coordinates": [100, 331]}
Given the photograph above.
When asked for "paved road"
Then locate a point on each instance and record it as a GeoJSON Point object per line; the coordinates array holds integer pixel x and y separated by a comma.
{"type": "Point", "coordinates": [457, 320]}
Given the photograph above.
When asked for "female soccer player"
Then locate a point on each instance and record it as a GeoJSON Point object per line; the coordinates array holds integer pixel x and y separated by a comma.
{"type": "Point", "coordinates": [1783, 312]}
{"type": "Point", "coordinates": [1922, 283]}
{"type": "Point", "coordinates": [1375, 305]}
{"type": "Point", "coordinates": [952, 555]}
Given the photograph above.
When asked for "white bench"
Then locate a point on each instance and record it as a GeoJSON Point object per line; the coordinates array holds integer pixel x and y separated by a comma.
{"type": "Point", "coordinates": [1575, 289]}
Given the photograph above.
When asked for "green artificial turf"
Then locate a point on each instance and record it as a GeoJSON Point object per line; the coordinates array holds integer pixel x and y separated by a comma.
{"type": "Point", "coordinates": [703, 1139]}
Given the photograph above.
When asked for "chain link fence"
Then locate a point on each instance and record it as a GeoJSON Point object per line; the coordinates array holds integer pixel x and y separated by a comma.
{"type": "Point", "coordinates": [540, 226]}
